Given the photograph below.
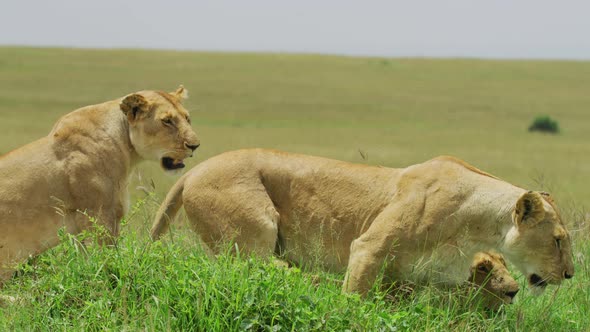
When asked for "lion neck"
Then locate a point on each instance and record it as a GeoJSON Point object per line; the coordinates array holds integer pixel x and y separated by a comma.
{"type": "Point", "coordinates": [134, 157]}
{"type": "Point", "coordinates": [493, 220]}
{"type": "Point", "coordinates": [121, 134]}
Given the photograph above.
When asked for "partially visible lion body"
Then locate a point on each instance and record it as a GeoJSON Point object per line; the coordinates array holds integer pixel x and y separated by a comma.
{"type": "Point", "coordinates": [427, 221]}
{"type": "Point", "coordinates": [83, 165]}
{"type": "Point", "coordinates": [490, 277]}
{"type": "Point", "coordinates": [39, 181]}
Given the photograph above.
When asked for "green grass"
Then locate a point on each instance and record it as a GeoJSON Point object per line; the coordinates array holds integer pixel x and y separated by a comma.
{"type": "Point", "coordinates": [396, 111]}
{"type": "Point", "coordinates": [172, 285]}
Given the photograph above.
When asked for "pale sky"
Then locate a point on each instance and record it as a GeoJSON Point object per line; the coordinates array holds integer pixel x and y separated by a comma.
{"type": "Point", "coordinates": [432, 28]}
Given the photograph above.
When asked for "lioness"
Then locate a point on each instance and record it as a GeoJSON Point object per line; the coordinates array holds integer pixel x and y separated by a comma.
{"type": "Point", "coordinates": [82, 169]}
{"type": "Point", "coordinates": [426, 221]}
{"type": "Point", "coordinates": [490, 276]}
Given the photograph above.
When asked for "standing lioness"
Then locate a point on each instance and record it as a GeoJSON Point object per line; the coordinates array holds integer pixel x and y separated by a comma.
{"type": "Point", "coordinates": [425, 221]}
{"type": "Point", "coordinates": [83, 165]}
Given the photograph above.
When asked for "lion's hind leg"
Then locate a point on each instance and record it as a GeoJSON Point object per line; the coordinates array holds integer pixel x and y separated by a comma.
{"type": "Point", "coordinates": [234, 218]}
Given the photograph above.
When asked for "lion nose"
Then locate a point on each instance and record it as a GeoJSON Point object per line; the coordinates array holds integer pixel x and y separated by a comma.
{"type": "Point", "coordinates": [511, 294]}
{"type": "Point", "coordinates": [567, 275]}
{"type": "Point", "coordinates": [192, 147]}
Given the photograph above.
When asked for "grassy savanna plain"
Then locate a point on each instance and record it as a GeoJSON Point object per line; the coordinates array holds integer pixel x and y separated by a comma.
{"type": "Point", "coordinates": [390, 112]}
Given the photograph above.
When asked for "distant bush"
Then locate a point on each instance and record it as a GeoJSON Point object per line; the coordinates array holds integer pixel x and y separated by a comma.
{"type": "Point", "coordinates": [545, 124]}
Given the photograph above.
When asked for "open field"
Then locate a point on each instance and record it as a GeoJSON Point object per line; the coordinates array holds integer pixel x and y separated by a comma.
{"type": "Point", "coordinates": [396, 111]}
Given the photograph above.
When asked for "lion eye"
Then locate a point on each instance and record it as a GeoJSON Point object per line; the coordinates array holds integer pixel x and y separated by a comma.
{"type": "Point", "coordinates": [558, 243]}
{"type": "Point", "coordinates": [483, 267]}
{"type": "Point", "coordinates": [167, 121]}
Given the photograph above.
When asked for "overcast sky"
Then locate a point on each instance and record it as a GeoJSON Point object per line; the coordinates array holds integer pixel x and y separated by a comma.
{"type": "Point", "coordinates": [434, 28]}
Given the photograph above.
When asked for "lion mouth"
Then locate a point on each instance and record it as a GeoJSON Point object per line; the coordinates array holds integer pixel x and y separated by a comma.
{"type": "Point", "coordinates": [537, 281]}
{"type": "Point", "coordinates": [509, 296]}
{"type": "Point", "coordinates": [172, 164]}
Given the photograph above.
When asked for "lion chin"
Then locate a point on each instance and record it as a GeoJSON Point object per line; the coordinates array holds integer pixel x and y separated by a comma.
{"type": "Point", "coordinates": [537, 284]}
{"type": "Point", "coordinates": [171, 164]}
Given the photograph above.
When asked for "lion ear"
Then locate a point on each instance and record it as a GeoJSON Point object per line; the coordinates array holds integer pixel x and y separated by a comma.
{"type": "Point", "coordinates": [529, 209]}
{"type": "Point", "coordinates": [181, 93]}
{"type": "Point", "coordinates": [547, 196]}
{"type": "Point", "coordinates": [134, 105]}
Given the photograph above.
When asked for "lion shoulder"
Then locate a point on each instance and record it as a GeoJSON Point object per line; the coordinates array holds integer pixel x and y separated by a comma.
{"type": "Point", "coordinates": [454, 161]}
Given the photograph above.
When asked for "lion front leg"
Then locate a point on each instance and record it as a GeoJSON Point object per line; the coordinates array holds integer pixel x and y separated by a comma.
{"type": "Point", "coordinates": [368, 254]}
{"type": "Point", "coordinates": [5, 274]}
{"type": "Point", "coordinates": [104, 223]}
{"type": "Point", "coordinates": [107, 226]}
{"type": "Point", "coordinates": [97, 203]}
{"type": "Point", "coordinates": [364, 264]}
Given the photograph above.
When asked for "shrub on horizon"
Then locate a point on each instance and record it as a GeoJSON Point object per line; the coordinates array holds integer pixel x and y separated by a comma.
{"type": "Point", "coordinates": [544, 124]}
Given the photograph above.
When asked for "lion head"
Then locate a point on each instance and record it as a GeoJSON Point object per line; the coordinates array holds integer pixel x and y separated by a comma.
{"type": "Point", "coordinates": [160, 128]}
{"type": "Point", "coordinates": [538, 244]}
{"type": "Point", "coordinates": [490, 274]}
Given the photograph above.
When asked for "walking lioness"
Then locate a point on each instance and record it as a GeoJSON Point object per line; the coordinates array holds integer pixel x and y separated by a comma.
{"type": "Point", "coordinates": [425, 221]}
{"type": "Point", "coordinates": [82, 168]}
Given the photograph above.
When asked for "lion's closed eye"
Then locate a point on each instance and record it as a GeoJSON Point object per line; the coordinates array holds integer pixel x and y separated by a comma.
{"type": "Point", "coordinates": [558, 243]}
{"type": "Point", "coordinates": [168, 122]}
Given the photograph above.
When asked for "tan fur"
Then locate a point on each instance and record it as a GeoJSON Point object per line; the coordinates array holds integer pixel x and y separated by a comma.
{"type": "Point", "coordinates": [490, 276]}
{"type": "Point", "coordinates": [425, 221]}
{"type": "Point", "coordinates": [83, 167]}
